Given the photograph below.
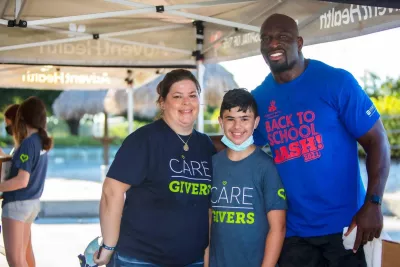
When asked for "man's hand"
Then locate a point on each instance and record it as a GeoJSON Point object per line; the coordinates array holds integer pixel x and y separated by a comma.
{"type": "Point", "coordinates": [369, 222]}
{"type": "Point", "coordinates": [105, 256]}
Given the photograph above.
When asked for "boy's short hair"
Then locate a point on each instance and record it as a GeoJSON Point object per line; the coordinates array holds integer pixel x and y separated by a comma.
{"type": "Point", "coordinates": [241, 98]}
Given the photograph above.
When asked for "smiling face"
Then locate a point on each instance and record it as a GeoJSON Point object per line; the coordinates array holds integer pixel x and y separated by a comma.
{"type": "Point", "coordinates": [181, 105]}
{"type": "Point", "coordinates": [238, 125]}
{"type": "Point", "coordinates": [280, 43]}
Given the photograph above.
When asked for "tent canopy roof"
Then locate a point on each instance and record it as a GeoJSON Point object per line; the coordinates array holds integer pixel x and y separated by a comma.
{"type": "Point", "coordinates": [162, 33]}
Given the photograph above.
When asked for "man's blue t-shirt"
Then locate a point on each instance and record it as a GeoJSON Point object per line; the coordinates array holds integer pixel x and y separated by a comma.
{"type": "Point", "coordinates": [243, 193]}
{"type": "Point", "coordinates": [312, 125]}
{"type": "Point", "coordinates": [29, 156]}
{"type": "Point", "coordinates": [165, 216]}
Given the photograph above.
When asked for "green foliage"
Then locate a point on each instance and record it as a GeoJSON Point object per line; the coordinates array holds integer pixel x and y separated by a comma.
{"type": "Point", "coordinates": [82, 141]}
{"type": "Point", "coordinates": [375, 87]}
{"type": "Point", "coordinates": [389, 107]}
{"type": "Point", "coordinates": [16, 96]}
{"type": "Point", "coordinates": [211, 114]}
{"type": "Point", "coordinates": [6, 141]}
{"type": "Point", "coordinates": [67, 141]}
{"type": "Point", "coordinates": [121, 130]}
{"type": "Point", "coordinates": [385, 94]}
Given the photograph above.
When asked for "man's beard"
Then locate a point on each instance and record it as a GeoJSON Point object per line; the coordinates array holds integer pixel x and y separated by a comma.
{"type": "Point", "coordinates": [281, 67]}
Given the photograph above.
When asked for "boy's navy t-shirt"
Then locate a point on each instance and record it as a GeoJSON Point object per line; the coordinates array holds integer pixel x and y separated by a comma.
{"type": "Point", "coordinates": [312, 125]}
{"type": "Point", "coordinates": [30, 157]}
{"type": "Point", "coordinates": [242, 194]}
{"type": "Point", "coordinates": [165, 215]}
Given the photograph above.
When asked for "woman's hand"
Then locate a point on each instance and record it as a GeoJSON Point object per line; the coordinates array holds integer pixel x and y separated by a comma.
{"type": "Point", "coordinates": [104, 258]}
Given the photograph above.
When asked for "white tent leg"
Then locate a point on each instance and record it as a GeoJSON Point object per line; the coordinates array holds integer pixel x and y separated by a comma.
{"type": "Point", "coordinates": [200, 78]}
{"type": "Point", "coordinates": [19, 7]}
{"type": "Point", "coordinates": [130, 109]}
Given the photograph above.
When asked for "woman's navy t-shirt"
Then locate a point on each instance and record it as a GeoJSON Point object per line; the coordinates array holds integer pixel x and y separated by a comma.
{"type": "Point", "coordinates": [29, 156]}
{"type": "Point", "coordinates": [165, 215]}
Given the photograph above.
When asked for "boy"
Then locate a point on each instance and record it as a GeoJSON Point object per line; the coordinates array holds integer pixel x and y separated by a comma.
{"type": "Point", "coordinates": [247, 198]}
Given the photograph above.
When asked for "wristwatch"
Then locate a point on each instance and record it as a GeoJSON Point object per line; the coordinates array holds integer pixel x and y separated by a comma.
{"type": "Point", "coordinates": [374, 199]}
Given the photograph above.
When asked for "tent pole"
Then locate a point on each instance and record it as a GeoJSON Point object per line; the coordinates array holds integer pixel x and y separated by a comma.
{"type": "Point", "coordinates": [200, 73]}
{"type": "Point", "coordinates": [130, 109]}
{"type": "Point", "coordinates": [200, 78]}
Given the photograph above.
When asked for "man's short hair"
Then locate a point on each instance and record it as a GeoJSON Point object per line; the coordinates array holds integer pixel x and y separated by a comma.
{"type": "Point", "coordinates": [241, 98]}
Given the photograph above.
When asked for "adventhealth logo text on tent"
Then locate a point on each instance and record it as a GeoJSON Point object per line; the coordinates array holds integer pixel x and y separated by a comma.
{"type": "Point", "coordinates": [65, 78]}
{"type": "Point", "coordinates": [104, 49]}
{"type": "Point", "coordinates": [354, 13]}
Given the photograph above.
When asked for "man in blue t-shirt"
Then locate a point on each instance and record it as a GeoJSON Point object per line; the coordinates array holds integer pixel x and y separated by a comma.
{"type": "Point", "coordinates": [312, 116]}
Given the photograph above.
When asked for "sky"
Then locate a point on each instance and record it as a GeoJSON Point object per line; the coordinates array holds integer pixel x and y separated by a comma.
{"type": "Point", "coordinates": [378, 52]}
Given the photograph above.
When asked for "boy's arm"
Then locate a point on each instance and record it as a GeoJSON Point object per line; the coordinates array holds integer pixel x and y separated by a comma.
{"type": "Point", "coordinates": [207, 251]}
{"type": "Point", "coordinates": [275, 203]}
{"type": "Point", "coordinates": [275, 237]}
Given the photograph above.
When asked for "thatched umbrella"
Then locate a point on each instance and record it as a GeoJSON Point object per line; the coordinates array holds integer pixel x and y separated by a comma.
{"type": "Point", "coordinates": [72, 105]}
{"type": "Point", "coordinates": [75, 103]}
{"type": "Point", "coordinates": [217, 80]}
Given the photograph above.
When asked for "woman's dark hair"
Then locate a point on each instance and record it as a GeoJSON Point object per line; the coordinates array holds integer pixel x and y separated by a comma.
{"type": "Point", "coordinates": [172, 77]}
{"type": "Point", "coordinates": [32, 113]}
{"type": "Point", "coordinates": [11, 112]}
{"type": "Point", "coordinates": [239, 98]}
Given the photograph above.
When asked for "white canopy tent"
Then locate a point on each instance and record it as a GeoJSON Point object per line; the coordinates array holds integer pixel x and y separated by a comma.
{"type": "Point", "coordinates": [168, 33]}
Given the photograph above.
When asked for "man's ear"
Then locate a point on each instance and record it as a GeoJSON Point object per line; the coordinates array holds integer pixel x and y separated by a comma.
{"type": "Point", "coordinates": [257, 121]}
{"type": "Point", "coordinates": [300, 43]}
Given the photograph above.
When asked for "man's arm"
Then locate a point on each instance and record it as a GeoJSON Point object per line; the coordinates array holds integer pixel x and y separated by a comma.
{"type": "Point", "coordinates": [376, 145]}
{"type": "Point", "coordinates": [275, 237]}
{"type": "Point", "coordinates": [369, 219]}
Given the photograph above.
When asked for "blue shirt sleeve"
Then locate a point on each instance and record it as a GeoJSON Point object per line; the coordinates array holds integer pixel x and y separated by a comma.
{"type": "Point", "coordinates": [356, 110]}
{"type": "Point", "coordinates": [24, 157]}
{"type": "Point", "coordinates": [130, 165]}
{"type": "Point", "coordinates": [274, 193]}
{"type": "Point", "coordinates": [259, 140]}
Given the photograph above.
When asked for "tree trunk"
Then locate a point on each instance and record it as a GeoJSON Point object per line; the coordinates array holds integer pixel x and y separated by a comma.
{"type": "Point", "coordinates": [73, 125]}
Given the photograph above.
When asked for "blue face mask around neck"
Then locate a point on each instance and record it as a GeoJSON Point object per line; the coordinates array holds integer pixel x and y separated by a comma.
{"type": "Point", "coordinates": [248, 142]}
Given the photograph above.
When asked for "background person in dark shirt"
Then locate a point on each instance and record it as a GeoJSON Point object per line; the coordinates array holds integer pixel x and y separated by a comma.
{"type": "Point", "coordinates": [22, 191]}
{"type": "Point", "coordinates": [165, 170]}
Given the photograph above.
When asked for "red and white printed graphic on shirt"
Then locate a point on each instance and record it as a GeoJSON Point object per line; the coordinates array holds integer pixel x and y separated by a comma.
{"type": "Point", "coordinates": [292, 136]}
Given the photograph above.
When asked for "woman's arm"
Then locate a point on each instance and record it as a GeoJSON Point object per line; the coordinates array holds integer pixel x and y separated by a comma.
{"type": "Point", "coordinates": [275, 237]}
{"type": "Point", "coordinates": [111, 205]}
{"type": "Point", "coordinates": [17, 182]}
